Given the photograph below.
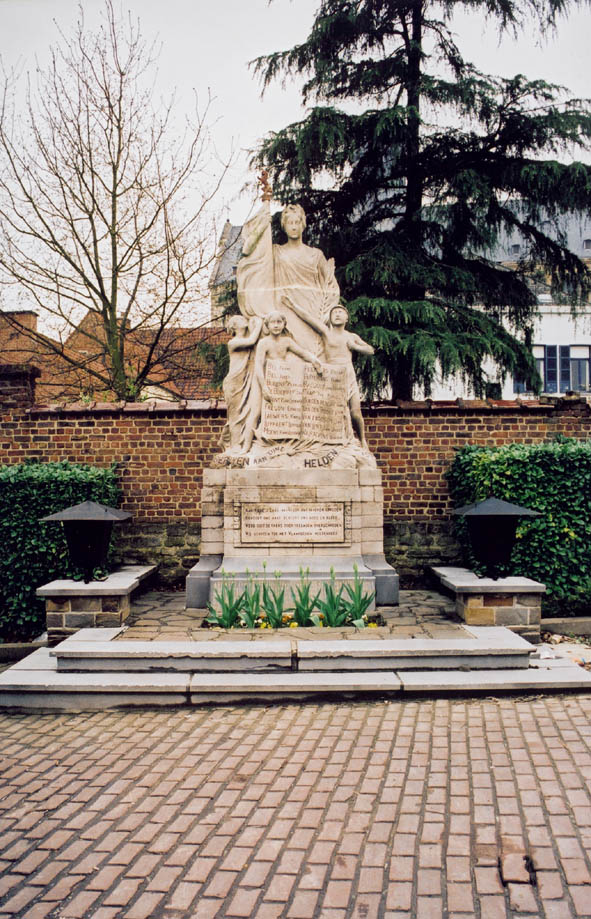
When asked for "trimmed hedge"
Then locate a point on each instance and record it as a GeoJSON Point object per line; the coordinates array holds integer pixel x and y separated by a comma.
{"type": "Point", "coordinates": [32, 553]}
{"type": "Point", "coordinates": [553, 478]}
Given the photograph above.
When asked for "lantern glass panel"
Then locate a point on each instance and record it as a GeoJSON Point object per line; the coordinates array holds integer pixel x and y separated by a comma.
{"type": "Point", "coordinates": [492, 541]}
{"type": "Point", "coordinates": [88, 544]}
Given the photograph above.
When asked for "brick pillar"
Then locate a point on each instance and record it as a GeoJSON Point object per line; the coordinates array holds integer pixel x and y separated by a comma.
{"type": "Point", "coordinates": [17, 385]}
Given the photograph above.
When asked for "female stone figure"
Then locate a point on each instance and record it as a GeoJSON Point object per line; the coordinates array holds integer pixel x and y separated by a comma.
{"type": "Point", "coordinates": [267, 272]}
{"type": "Point", "coordinates": [240, 380]}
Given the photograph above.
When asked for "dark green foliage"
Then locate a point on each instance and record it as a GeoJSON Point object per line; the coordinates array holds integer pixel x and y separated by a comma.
{"type": "Point", "coordinates": [554, 479]}
{"type": "Point", "coordinates": [217, 356]}
{"type": "Point", "coordinates": [218, 359]}
{"type": "Point", "coordinates": [33, 553]}
{"type": "Point", "coordinates": [411, 166]}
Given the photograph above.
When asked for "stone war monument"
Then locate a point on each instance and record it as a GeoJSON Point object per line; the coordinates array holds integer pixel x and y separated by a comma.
{"type": "Point", "coordinates": [294, 486]}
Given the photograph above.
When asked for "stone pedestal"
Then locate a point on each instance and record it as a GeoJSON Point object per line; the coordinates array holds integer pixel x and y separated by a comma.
{"type": "Point", "coordinates": [256, 522]}
{"type": "Point", "coordinates": [513, 602]}
{"type": "Point", "coordinates": [73, 605]}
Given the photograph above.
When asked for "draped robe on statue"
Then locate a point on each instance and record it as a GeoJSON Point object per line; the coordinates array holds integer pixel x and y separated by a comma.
{"type": "Point", "coordinates": [238, 390]}
{"type": "Point", "coordinates": [266, 273]}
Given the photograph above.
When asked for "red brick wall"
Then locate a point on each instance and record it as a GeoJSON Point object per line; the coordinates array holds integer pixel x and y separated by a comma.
{"type": "Point", "coordinates": [160, 453]}
{"type": "Point", "coordinates": [415, 442]}
{"type": "Point", "coordinates": [162, 448]}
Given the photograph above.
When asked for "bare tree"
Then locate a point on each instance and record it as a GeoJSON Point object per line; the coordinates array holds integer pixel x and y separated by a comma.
{"type": "Point", "coordinates": [105, 224]}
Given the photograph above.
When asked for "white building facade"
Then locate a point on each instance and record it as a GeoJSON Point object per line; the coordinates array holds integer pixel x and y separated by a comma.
{"type": "Point", "coordinates": [562, 339]}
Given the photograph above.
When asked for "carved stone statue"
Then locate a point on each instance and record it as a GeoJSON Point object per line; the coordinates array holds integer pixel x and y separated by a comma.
{"type": "Point", "coordinates": [292, 393]}
{"type": "Point", "coordinates": [239, 383]}
{"type": "Point", "coordinates": [267, 272]}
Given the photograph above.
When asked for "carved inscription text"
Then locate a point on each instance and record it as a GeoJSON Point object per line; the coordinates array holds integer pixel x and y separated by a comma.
{"type": "Point", "coordinates": [292, 523]}
{"type": "Point", "coordinates": [305, 405]}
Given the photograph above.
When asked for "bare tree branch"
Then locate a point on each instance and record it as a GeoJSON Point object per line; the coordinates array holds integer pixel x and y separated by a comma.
{"type": "Point", "coordinates": [105, 225]}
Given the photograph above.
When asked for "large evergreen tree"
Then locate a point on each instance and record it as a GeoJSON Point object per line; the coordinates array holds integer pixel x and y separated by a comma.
{"type": "Point", "coordinates": [411, 165]}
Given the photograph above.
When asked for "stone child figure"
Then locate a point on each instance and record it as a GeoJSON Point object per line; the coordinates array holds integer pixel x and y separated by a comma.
{"type": "Point", "coordinates": [275, 347]}
{"type": "Point", "coordinates": [338, 345]}
{"type": "Point", "coordinates": [239, 383]}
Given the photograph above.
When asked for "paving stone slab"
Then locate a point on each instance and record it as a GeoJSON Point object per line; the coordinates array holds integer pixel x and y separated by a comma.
{"type": "Point", "coordinates": [95, 635]}
{"type": "Point", "coordinates": [480, 649]}
{"type": "Point", "coordinates": [37, 660]}
{"type": "Point", "coordinates": [121, 582]}
{"type": "Point", "coordinates": [293, 683]}
{"type": "Point", "coordinates": [462, 580]}
{"type": "Point", "coordinates": [57, 700]}
{"type": "Point", "coordinates": [18, 679]}
{"type": "Point", "coordinates": [568, 677]}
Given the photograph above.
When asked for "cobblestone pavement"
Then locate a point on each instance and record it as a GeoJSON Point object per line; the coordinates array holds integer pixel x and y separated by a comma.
{"type": "Point", "coordinates": [442, 808]}
{"type": "Point", "coordinates": [158, 616]}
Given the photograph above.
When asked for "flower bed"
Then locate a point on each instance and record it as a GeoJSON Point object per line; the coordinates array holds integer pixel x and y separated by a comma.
{"type": "Point", "coordinates": [263, 605]}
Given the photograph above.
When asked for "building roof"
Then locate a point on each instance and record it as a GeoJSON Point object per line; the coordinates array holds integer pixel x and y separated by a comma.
{"type": "Point", "coordinates": [229, 252]}
{"type": "Point", "coordinates": [183, 368]}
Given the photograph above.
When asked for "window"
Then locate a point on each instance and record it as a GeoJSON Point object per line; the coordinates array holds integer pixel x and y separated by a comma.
{"type": "Point", "coordinates": [551, 368]}
{"type": "Point", "coordinates": [562, 368]}
{"type": "Point", "coordinates": [519, 387]}
{"type": "Point", "coordinates": [515, 249]}
{"type": "Point", "coordinates": [569, 369]}
{"type": "Point", "coordinates": [587, 244]}
{"type": "Point", "coordinates": [580, 374]}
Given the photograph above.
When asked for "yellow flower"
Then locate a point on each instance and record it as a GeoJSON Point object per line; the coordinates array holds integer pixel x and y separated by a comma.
{"type": "Point", "coordinates": [372, 625]}
{"type": "Point", "coordinates": [293, 625]}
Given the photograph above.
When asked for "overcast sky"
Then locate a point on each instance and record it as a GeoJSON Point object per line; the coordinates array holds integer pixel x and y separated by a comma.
{"type": "Point", "coordinates": [207, 45]}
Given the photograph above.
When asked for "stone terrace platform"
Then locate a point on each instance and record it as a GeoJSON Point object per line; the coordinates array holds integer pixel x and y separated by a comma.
{"type": "Point", "coordinates": [159, 616]}
{"type": "Point", "coordinates": [166, 658]}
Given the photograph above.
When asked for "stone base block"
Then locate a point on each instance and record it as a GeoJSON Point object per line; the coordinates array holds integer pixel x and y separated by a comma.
{"type": "Point", "coordinates": [386, 579]}
{"type": "Point", "coordinates": [198, 580]}
{"type": "Point", "coordinates": [284, 519]}
{"type": "Point", "coordinates": [73, 605]}
{"type": "Point", "coordinates": [511, 602]}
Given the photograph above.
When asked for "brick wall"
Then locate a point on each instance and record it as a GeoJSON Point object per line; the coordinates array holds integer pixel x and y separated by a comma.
{"type": "Point", "coordinates": [17, 385]}
{"type": "Point", "coordinates": [161, 448]}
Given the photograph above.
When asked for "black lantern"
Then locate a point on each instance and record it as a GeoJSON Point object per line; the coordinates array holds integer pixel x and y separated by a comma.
{"type": "Point", "coordinates": [492, 525]}
{"type": "Point", "coordinates": [87, 528]}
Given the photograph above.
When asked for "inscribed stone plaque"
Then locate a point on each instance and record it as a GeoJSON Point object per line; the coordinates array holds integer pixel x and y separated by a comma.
{"type": "Point", "coordinates": [325, 402]}
{"type": "Point", "coordinates": [304, 404]}
{"type": "Point", "coordinates": [282, 418]}
{"type": "Point", "coordinates": [295, 523]}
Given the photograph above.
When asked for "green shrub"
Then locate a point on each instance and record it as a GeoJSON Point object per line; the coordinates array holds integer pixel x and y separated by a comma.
{"type": "Point", "coordinates": [552, 478]}
{"type": "Point", "coordinates": [32, 553]}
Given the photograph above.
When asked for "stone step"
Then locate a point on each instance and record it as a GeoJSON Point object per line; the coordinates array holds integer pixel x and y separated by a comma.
{"type": "Point", "coordinates": [173, 656]}
{"type": "Point", "coordinates": [482, 648]}
{"type": "Point", "coordinates": [35, 684]}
